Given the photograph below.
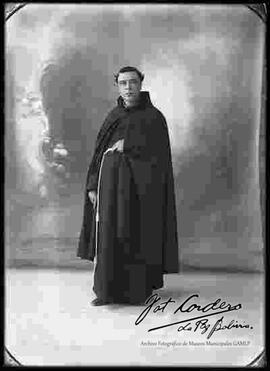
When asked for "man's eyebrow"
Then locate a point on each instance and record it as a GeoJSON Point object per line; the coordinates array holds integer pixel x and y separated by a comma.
{"type": "Point", "coordinates": [134, 79]}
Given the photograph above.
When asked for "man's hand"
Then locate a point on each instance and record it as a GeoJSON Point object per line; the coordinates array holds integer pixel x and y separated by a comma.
{"type": "Point", "coordinates": [119, 145]}
{"type": "Point", "coordinates": [93, 197]}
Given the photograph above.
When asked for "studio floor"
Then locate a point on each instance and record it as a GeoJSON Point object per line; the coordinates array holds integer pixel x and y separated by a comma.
{"type": "Point", "coordinates": [49, 321]}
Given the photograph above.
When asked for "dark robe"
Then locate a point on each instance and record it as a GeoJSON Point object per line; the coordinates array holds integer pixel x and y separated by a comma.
{"type": "Point", "coordinates": [137, 229]}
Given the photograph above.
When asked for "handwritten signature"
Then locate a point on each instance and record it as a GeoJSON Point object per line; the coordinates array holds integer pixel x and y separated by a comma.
{"type": "Point", "coordinates": [202, 323]}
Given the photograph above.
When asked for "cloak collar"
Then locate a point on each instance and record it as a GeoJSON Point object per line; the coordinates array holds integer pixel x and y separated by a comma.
{"type": "Point", "coordinates": [144, 101]}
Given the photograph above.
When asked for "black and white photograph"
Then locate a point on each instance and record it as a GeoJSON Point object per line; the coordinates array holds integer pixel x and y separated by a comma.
{"type": "Point", "coordinates": [134, 192]}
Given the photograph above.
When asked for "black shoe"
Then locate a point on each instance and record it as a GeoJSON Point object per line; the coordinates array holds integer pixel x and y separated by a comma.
{"type": "Point", "coordinates": [97, 302]}
{"type": "Point", "coordinates": [137, 303]}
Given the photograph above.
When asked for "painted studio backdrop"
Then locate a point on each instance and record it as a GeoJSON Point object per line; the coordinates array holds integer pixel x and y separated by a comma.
{"type": "Point", "coordinates": [203, 67]}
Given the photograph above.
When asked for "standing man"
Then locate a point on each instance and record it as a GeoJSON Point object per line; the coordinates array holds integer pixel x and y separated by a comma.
{"type": "Point", "coordinates": [129, 222]}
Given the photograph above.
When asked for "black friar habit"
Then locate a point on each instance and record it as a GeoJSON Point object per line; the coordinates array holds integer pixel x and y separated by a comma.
{"type": "Point", "coordinates": [137, 230]}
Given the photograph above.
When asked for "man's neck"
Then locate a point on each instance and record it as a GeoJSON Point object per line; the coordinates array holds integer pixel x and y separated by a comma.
{"type": "Point", "coordinates": [131, 104]}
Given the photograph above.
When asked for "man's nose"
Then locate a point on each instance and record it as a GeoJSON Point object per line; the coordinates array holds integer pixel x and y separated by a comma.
{"type": "Point", "coordinates": [128, 86]}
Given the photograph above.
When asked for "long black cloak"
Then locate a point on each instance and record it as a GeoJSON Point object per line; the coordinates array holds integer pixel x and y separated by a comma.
{"type": "Point", "coordinates": [146, 179]}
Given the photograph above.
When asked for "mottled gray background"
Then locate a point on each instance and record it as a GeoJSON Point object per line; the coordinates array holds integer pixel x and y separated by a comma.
{"type": "Point", "coordinates": [203, 68]}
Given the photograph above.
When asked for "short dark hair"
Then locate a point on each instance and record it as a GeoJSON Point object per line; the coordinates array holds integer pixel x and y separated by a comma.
{"type": "Point", "coordinates": [128, 69]}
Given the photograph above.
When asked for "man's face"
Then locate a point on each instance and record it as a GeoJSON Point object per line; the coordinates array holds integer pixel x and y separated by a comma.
{"type": "Point", "coordinates": [129, 85]}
